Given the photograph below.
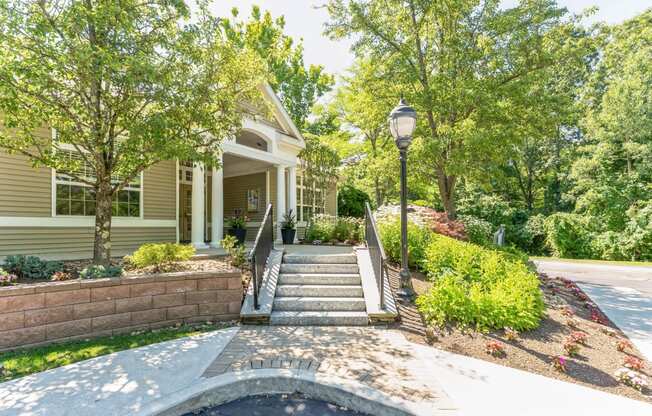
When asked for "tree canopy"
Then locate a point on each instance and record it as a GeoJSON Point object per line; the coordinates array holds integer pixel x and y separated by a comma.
{"type": "Point", "coordinates": [124, 85]}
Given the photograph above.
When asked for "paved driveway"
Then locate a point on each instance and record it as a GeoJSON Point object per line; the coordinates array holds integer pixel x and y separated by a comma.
{"type": "Point", "coordinates": [624, 293]}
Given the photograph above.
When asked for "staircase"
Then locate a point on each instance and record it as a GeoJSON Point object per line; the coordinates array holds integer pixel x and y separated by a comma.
{"type": "Point", "coordinates": [323, 289]}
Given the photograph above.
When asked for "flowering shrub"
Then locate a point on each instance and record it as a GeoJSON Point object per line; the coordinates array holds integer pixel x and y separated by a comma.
{"type": "Point", "coordinates": [633, 363]}
{"type": "Point", "coordinates": [511, 334]}
{"type": "Point", "coordinates": [578, 337]}
{"type": "Point", "coordinates": [61, 276]}
{"type": "Point", "coordinates": [495, 348]}
{"type": "Point", "coordinates": [623, 344]}
{"type": "Point", "coordinates": [597, 317]}
{"type": "Point", "coordinates": [7, 279]}
{"type": "Point", "coordinates": [559, 363]}
{"type": "Point", "coordinates": [571, 348]}
{"type": "Point", "coordinates": [631, 378]}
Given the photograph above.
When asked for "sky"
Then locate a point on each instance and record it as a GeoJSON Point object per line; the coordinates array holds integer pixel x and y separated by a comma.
{"type": "Point", "coordinates": [305, 20]}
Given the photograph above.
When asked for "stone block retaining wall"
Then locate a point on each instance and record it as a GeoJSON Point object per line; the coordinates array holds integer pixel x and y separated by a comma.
{"type": "Point", "coordinates": [54, 311]}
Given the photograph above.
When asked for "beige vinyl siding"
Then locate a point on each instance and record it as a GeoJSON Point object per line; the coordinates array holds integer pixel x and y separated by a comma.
{"type": "Point", "coordinates": [76, 242]}
{"type": "Point", "coordinates": [159, 191]}
{"type": "Point", "coordinates": [235, 195]}
{"type": "Point", "coordinates": [25, 191]}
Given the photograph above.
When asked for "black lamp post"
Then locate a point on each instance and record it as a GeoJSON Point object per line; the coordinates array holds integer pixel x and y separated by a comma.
{"type": "Point", "coordinates": [402, 122]}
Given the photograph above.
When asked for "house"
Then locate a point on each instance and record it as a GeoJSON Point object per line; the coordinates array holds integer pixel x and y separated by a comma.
{"type": "Point", "coordinates": [43, 212]}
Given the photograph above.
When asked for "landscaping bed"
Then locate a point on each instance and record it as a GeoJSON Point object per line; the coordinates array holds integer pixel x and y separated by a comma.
{"type": "Point", "coordinates": [594, 365]}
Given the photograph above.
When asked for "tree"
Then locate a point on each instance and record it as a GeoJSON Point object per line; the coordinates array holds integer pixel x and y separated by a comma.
{"type": "Point", "coordinates": [364, 102]}
{"type": "Point", "coordinates": [319, 163]}
{"type": "Point", "coordinates": [297, 86]}
{"type": "Point", "coordinates": [615, 167]}
{"type": "Point", "coordinates": [351, 202]}
{"type": "Point", "coordinates": [466, 66]}
{"type": "Point", "coordinates": [124, 85]}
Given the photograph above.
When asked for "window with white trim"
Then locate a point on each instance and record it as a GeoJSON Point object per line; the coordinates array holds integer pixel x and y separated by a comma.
{"type": "Point", "coordinates": [78, 199]}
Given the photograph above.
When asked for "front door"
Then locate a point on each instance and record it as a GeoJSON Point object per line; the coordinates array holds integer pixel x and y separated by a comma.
{"type": "Point", "coordinates": [185, 212]}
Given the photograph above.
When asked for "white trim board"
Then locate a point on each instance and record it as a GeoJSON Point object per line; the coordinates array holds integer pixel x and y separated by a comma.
{"type": "Point", "coordinates": [61, 221]}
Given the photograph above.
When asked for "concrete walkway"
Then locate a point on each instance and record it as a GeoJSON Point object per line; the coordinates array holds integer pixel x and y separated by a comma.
{"type": "Point", "coordinates": [431, 381]}
{"type": "Point", "coordinates": [624, 293]}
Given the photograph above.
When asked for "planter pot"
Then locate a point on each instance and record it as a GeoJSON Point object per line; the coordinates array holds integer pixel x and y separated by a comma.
{"type": "Point", "coordinates": [288, 235]}
{"type": "Point", "coordinates": [239, 233]}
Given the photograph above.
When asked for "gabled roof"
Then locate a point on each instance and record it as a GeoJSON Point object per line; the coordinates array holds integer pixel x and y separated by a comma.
{"type": "Point", "coordinates": [281, 114]}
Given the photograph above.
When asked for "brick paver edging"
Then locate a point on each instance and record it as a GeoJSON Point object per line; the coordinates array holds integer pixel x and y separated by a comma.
{"type": "Point", "coordinates": [53, 311]}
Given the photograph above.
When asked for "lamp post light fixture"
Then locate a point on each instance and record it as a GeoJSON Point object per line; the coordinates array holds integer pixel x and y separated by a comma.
{"type": "Point", "coordinates": [402, 122]}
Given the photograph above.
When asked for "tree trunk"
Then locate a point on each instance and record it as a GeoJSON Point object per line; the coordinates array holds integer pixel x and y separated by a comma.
{"type": "Point", "coordinates": [447, 191]}
{"type": "Point", "coordinates": [103, 208]}
{"type": "Point", "coordinates": [379, 197]}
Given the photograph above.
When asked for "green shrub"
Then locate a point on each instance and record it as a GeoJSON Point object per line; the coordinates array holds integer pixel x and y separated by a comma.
{"type": "Point", "coordinates": [97, 271]}
{"type": "Point", "coordinates": [32, 267]}
{"type": "Point", "coordinates": [569, 236]}
{"type": "Point", "coordinates": [321, 228]}
{"type": "Point", "coordinates": [327, 227]}
{"type": "Point", "coordinates": [160, 254]}
{"type": "Point", "coordinates": [535, 231]}
{"type": "Point", "coordinates": [637, 238]}
{"type": "Point", "coordinates": [418, 239]}
{"type": "Point", "coordinates": [351, 201]}
{"type": "Point", "coordinates": [235, 251]}
{"type": "Point", "coordinates": [477, 230]}
{"type": "Point", "coordinates": [478, 287]}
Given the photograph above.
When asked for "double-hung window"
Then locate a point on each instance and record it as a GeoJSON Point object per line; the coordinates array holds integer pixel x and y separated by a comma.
{"type": "Point", "coordinates": [78, 199]}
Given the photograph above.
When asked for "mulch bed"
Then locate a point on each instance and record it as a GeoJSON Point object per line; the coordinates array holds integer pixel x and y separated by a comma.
{"type": "Point", "coordinates": [593, 367]}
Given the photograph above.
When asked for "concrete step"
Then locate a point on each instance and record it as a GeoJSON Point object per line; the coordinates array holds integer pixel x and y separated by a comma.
{"type": "Point", "coordinates": [319, 268]}
{"type": "Point", "coordinates": [337, 318]}
{"type": "Point", "coordinates": [295, 303]}
{"type": "Point", "coordinates": [320, 291]}
{"type": "Point", "coordinates": [319, 279]}
{"type": "Point", "coordinates": [320, 259]}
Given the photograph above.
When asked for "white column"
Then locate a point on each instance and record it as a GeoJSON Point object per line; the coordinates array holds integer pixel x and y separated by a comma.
{"type": "Point", "coordinates": [280, 200]}
{"type": "Point", "coordinates": [292, 194]}
{"type": "Point", "coordinates": [197, 230]}
{"type": "Point", "coordinates": [217, 206]}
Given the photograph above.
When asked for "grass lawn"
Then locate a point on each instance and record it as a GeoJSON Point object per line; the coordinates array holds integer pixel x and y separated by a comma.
{"type": "Point", "coordinates": [20, 363]}
{"type": "Point", "coordinates": [598, 262]}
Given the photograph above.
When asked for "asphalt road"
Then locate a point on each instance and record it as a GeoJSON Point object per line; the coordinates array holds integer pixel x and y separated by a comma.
{"type": "Point", "coordinates": [633, 277]}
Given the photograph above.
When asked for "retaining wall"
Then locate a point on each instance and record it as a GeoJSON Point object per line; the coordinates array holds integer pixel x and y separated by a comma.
{"type": "Point", "coordinates": [55, 311]}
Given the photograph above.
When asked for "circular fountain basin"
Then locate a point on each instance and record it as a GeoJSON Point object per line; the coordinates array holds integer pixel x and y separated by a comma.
{"type": "Point", "coordinates": [277, 405]}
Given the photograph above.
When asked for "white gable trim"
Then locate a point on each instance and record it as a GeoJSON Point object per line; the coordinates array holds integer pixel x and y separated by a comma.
{"type": "Point", "coordinates": [282, 115]}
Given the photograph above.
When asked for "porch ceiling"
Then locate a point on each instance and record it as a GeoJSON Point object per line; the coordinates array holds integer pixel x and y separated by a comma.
{"type": "Point", "coordinates": [236, 166]}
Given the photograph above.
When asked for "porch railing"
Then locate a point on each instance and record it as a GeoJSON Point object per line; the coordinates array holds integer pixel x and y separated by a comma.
{"type": "Point", "coordinates": [260, 251]}
{"type": "Point", "coordinates": [376, 252]}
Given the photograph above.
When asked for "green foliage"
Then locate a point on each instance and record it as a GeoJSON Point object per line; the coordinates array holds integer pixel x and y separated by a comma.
{"type": "Point", "coordinates": [237, 222]}
{"type": "Point", "coordinates": [160, 254]}
{"type": "Point", "coordinates": [326, 228]}
{"type": "Point", "coordinates": [236, 252]}
{"type": "Point", "coordinates": [351, 202]}
{"type": "Point", "coordinates": [289, 221]}
{"type": "Point", "coordinates": [418, 240]}
{"type": "Point", "coordinates": [569, 236]}
{"type": "Point", "coordinates": [477, 287]}
{"type": "Point", "coordinates": [99, 271]}
{"type": "Point", "coordinates": [6, 278]}
{"type": "Point", "coordinates": [478, 230]}
{"type": "Point", "coordinates": [298, 87]}
{"type": "Point", "coordinates": [32, 267]}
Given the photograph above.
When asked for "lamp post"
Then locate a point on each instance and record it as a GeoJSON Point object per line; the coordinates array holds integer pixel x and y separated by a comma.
{"type": "Point", "coordinates": [402, 122]}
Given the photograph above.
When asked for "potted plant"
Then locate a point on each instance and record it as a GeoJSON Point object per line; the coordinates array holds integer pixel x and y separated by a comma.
{"type": "Point", "coordinates": [288, 229]}
{"type": "Point", "coordinates": [238, 228]}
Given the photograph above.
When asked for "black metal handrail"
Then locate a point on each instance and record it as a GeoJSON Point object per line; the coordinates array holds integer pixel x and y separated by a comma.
{"type": "Point", "coordinates": [376, 252]}
{"type": "Point", "coordinates": [260, 252]}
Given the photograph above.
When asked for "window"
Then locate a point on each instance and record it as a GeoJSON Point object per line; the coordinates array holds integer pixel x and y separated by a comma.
{"type": "Point", "coordinates": [75, 198]}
